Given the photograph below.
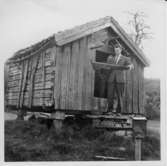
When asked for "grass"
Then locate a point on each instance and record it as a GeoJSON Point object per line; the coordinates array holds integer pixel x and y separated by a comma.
{"type": "Point", "coordinates": [32, 141]}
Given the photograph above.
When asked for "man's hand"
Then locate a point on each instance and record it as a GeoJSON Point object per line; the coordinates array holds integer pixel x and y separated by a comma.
{"type": "Point", "coordinates": [131, 67]}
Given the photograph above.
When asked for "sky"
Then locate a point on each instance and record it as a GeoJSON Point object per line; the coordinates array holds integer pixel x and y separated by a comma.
{"type": "Point", "coordinates": [25, 22]}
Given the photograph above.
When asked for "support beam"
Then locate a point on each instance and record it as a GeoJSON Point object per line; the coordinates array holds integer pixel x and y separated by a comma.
{"type": "Point", "coordinates": [58, 117]}
{"type": "Point", "coordinates": [20, 114]}
{"type": "Point", "coordinates": [138, 142]}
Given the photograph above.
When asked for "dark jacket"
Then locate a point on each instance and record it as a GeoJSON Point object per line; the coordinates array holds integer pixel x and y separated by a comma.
{"type": "Point", "coordinates": [118, 75]}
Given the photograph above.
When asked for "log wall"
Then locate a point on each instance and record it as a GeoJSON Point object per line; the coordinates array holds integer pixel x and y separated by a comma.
{"type": "Point", "coordinates": [31, 82]}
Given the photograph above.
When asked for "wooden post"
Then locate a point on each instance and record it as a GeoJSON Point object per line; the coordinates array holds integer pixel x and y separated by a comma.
{"type": "Point", "coordinates": [96, 122]}
{"type": "Point", "coordinates": [58, 117]}
{"type": "Point", "coordinates": [20, 115]}
{"type": "Point", "coordinates": [138, 142]}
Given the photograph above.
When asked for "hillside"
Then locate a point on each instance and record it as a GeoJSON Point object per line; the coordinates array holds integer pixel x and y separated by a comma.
{"type": "Point", "coordinates": [152, 85]}
{"type": "Point", "coordinates": [152, 98]}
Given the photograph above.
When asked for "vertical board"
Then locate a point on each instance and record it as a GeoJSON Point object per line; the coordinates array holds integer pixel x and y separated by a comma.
{"type": "Point", "coordinates": [43, 76]}
{"type": "Point", "coordinates": [135, 87]}
{"type": "Point", "coordinates": [64, 77]}
{"type": "Point", "coordinates": [84, 64]}
{"type": "Point", "coordinates": [68, 56]}
{"type": "Point", "coordinates": [20, 84]}
{"type": "Point", "coordinates": [24, 81]}
{"type": "Point", "coordinates": [140, 89]}
{"type": "Point", "coordinates": [74, 75]}
{"type": "Point", "coordinates": [58, 77]}
{"type": "Point", "coordinates": [128, 92]}
{"type": "Point", "coordinates": [54, 74]}
{"type": "Point", "coordinates": [81, 70]}
{"type": "Point", "coordinates": [88, 76]}
{"type": "Point", "coordinates": [92, 55]}
{"type": "Point", "coordinates": [71, 69]}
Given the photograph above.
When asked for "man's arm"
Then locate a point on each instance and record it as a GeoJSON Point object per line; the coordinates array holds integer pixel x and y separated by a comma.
{"type": "Point", "coordinates": [129, 63]}
{"type": "Point", "coordinates": [110, 59]}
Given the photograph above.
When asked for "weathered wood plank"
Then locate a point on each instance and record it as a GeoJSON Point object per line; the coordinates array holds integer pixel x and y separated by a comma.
{"type": "Point", "coordinates": [34, 68]}
{"type": "Point", "coordinates": [89, 74]}
{"type": "Point", "coordinates": [90, 54]}
{"type": "Point", "coordinates": [43, 75]}
{"type": "Point", "coordinates": [135, 87]}
{"type": "Point", "coordinates": [140, 89]}
{"type": "Point", "coordinates": [48, 84]}
{"type": "Point", "coordinates": [15, 72]}
{"type": "Point", "coordinates": [49, 69]}
{"type": "Point", "coordinates": [11, 65]}
{"type": "Point", "coordinates": [68, 61]}
{"type": "Point", "coordinates": [11, 79]}
{"type": "Point", "coordinates": [12, 102]}
{"type": "Point", "coordinates": [14, 77]}
{"type": "Point", "coordinates": [15, 68]}
{"type": "Point", "coordinates": [64, 77]}
{"type": "Point", "coordinates": [58, 77]}
{"type": "Point", "coordinates": [128, 92]}
{"type": "Point", "coordinates": [94, 101]}
{"type": "Point", "coordinates": [39, 102]}
{"type": "Point", "coordinates": [24, 80]}
{"type": "Point", "coordinates": [71, 78]}
{"type": "Point", "coordinates": [75, 70]}
{"type": "Point", "coordinates": [83, 60]}
{"type": "Point", "coordinates": [54, 55]}
{"type": "Point", "coordinates": [13, 83]}
{"type": "Point", "coordinates": [80, 77]}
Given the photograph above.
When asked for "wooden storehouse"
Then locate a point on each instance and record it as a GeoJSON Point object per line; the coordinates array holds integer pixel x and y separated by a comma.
{"type": "Point", "coordinates": [57, 73]}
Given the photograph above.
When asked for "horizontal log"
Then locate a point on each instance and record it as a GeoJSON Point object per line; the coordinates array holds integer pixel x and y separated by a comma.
{"type": "Point", "coordinates": [49, 70]}
{"type": "Point", "coordinates": [40, 101]}
{"type": "Point", "coordinates": [14, 76]}
{"type": "Point", "coordinates": [13, 83]}
{"type": "Point", "coordinates": [14, 89]}
{"type": "Point", "coordinates": [13, 65]}
{"type": "Point", "coordinates": [15, 68]}
{"type": "Point", "coordinates": [14, 72]}
{"type": "Point", "coordinates": [38, 94]}
{"type": "Point", "coordinates": [37, 82]}
{"type": "Point", "coordinates": [48, 84]}
{"type": "Point", "coordinates": [49, 63]}
{"type": "Point", "coordinates": [12, 102]}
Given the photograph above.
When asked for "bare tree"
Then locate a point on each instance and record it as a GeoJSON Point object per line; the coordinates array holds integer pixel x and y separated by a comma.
{"type": "Point", "coordinates": [140, 30]}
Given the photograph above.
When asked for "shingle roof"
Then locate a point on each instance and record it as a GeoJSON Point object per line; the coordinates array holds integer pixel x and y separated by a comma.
{"type": "Point", "coordinates": [77, 32]}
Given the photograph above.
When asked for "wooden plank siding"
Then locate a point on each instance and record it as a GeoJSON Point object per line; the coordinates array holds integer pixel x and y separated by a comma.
{"type": "Point", "coordinates": [140, 89]}
{"type": "Point", "coordinates": [65, 77]}
{"type": "Point", "coordinates": [32, 91]}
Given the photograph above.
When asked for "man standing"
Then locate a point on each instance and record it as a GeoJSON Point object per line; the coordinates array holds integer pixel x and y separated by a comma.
{"type": "Point", "coordinates": [117, 79]}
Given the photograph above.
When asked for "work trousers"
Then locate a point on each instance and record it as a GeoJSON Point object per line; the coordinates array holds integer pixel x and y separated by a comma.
{"type": "Point", "coordinates": [115, 93]}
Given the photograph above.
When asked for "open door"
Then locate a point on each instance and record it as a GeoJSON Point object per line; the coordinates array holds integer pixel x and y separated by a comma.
{"type": "Point", "coordinates": [100, 82]}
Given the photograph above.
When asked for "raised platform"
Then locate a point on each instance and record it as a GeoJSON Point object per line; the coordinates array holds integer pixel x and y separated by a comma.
{"type": "Point", "coordinates": [118, 122]}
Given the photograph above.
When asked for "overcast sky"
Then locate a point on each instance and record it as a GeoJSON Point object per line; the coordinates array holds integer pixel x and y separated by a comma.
{"type": "Point", "coordinates": [24, 22]}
